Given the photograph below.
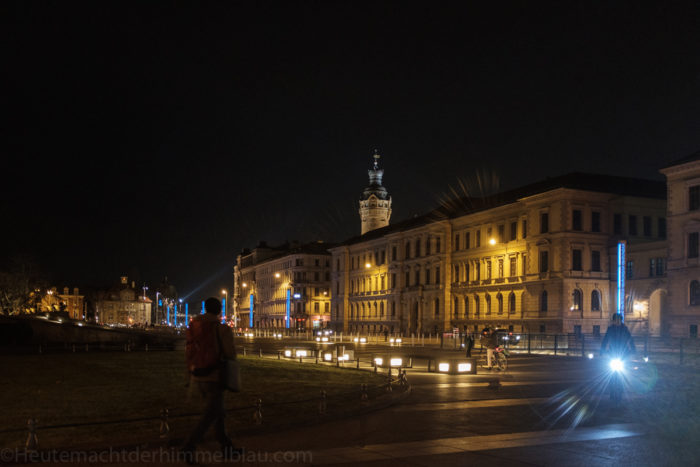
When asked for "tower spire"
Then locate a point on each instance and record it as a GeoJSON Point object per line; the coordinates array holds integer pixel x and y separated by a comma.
{"type": "Point", "coordinates": [376, 159]}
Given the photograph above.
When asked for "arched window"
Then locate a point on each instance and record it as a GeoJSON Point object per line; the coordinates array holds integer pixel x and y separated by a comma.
{"type": "Point", "coordinates": [381, 309]}
{"type": "Point", "coordinates": [364, 313]}
{"type": "Point", "coordinates": [499, 299]}
{"type": "Point", "coordinates": [466, 307]}
{"type": "Point", "coordinates": [477, 306]}
{"type": "Point", "coordinates": [543, 301]}
{"type": "Point", "coordinates": [577, 299]}
{"type": "Point", "coordinates": [488, 304]}
{"type": "Point", "coordinates": [456, 279]}
{"type": "Point", "coordinates": [456, 310]}
{"type": "Point", "coordinates": [511, 303]}
{"type": "Point", "coordinates": [694, 293]}
{"type": "Point", "coordinates": [375, 309]}
{"type": "Point", "coordinates": [595, 300]}
{"type": "Point", "coordinates": [437, 307]}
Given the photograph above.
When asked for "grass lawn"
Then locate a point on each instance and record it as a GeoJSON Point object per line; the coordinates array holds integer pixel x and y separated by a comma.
{"type": "Point", "coordinates": [89, 387]}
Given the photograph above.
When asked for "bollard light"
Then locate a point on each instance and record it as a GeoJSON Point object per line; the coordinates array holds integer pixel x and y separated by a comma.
{"type": "Point", "coordinates": [443, 367]}
{"type": "Point", "coordinates": [328, 357]}
{"type": "Point", "coordinates": [391, 341]}
{"type": "Point", "coordinates": [464, 367]}
{"type": "Point", "coordinates": [357, 339]}
{"type": "Point", "coordinates": [318, 339]}
{"type": "Point", "coordinates": [363, 340]}
{"type": "Point", "coordinates": [378, 361]}
{"type": "Point", "coordinates": [287, 353]}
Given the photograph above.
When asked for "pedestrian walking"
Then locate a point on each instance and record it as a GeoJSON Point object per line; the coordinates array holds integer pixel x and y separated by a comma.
{"type": "Point", "coordinates": [209, 343]}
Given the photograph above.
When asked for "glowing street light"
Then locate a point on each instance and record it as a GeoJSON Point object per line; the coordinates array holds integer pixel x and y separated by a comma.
{"type": "Point", "coordinates": [492, 241]}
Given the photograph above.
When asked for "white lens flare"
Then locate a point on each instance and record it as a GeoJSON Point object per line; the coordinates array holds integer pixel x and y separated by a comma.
{"type": "Point", "coordinates": [616, 364]}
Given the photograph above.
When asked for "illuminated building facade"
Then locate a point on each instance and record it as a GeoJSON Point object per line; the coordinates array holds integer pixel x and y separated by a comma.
{"type": "Point", "coordinates": [287, 287]}
{"type": "Point", "coordinates": [124, 305]}
{"type": "Point", "coordinates": [540, 258]}
{"type": "Point", "coordinates": [683, 181]}
{"type": "Point", "coordinates": [74, 303]}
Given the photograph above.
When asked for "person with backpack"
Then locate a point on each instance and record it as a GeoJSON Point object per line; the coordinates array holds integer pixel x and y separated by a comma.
{"type": "Point", "coordinates": [209, 343]}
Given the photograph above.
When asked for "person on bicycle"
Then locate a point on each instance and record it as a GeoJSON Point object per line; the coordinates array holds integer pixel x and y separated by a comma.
{"type": "Point", "coordinates": [618, 341]}
{"type": "Point", "coordinates": [488, 340]}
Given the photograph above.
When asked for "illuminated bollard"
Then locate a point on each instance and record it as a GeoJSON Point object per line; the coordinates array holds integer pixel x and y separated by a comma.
{"type": "Point", "coordinates": [32, 442]}
{"type": "Point", "coordinates": [164, 424]}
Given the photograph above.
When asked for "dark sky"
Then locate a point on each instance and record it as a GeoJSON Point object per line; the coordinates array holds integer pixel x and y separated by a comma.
{"type": "Point", "coordinates": [161, 138]}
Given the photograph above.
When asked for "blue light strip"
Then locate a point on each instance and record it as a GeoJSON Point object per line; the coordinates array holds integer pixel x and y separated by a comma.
{"type": "Point", "coordinates": [223, 310]}
{"type": "Point", "coordinates": [202, 308]}
{"type": "Point", "coordinates": [187, 312]}
{"type": "Point", "coordinates": [175, 316]}
{"type": "Point", "coordinates": [288, 309]}
{"type": "Point", "coordinates": [167, 320]}
{"type": "Point", "coordinates": [621, 279]}
{"type": "Point", "coordinates": [251, 310]}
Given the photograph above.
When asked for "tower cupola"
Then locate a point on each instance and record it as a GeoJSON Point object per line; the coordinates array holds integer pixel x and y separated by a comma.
{"type": "Point", "coordinates": [375, 202]}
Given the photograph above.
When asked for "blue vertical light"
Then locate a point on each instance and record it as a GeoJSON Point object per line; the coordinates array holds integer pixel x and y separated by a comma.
{"type": "Point", "coordinates": [621, 279]}
{"type": "Point", "coordinates": [160, 302]}
{"type": "Point", "coordinates": [288, 309]}
{"type": "Point", "coordinates": [202, 308]}
{"type": "Point", "coordinates": [251, 310]}
{"type": "Point", "coordinates": [187, 312]}
{"type": "Point", "coordinates": [167, 319]}
{"type": "Point", "coordinates": [175, 316]}
{"type": "Point", "coordinates": [223, 310]}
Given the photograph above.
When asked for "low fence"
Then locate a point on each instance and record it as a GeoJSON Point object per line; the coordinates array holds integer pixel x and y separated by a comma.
{"type": "Point", "coordinates": [663, 349]}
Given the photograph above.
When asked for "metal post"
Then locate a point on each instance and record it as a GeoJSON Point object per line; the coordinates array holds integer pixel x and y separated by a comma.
{"type": "Point", "coordinates": [164, 425]}
{"type": "Point", "coordinates": [528, 343]}
{"type": "Point", "coordinates": [32, 443]}
{"type": "Point", "coordinates": [323, 403]}
{"type": "Point", "coordinates": [257, 414]}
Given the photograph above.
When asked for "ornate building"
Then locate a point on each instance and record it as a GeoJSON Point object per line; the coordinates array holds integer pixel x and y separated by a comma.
{"type": "Point", "coordinates": [283, 287]}
{"type": "Point", "coordinates": [375, 203]}
{"type": "Point", "coordinates": [539, 258]}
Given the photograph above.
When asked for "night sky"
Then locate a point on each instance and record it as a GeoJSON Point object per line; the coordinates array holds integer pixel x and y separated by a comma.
{"type": "Point", "coordinates": [161, 138]}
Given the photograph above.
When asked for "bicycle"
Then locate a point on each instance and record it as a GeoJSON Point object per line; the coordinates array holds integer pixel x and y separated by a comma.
{"type": "Point", "coordinates": [500, 357]}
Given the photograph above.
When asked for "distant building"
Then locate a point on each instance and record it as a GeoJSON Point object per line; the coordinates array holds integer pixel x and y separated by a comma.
{"type": "Point", "coordinates": [272, 284]}
{"type": "Point", "coordinates": [541, 258]}
{"type": "Point", "coordinates": [74, 303]}
{"type": "Point", "coordinates": [124, 304]}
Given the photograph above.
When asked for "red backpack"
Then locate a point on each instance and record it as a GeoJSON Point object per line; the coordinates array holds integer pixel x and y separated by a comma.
{"type": "Point", "coordinates": [202, 349]}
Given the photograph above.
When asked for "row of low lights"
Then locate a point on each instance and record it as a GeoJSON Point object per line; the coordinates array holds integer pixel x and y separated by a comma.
{"type": "Point", "coordinates": [393, 362]}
